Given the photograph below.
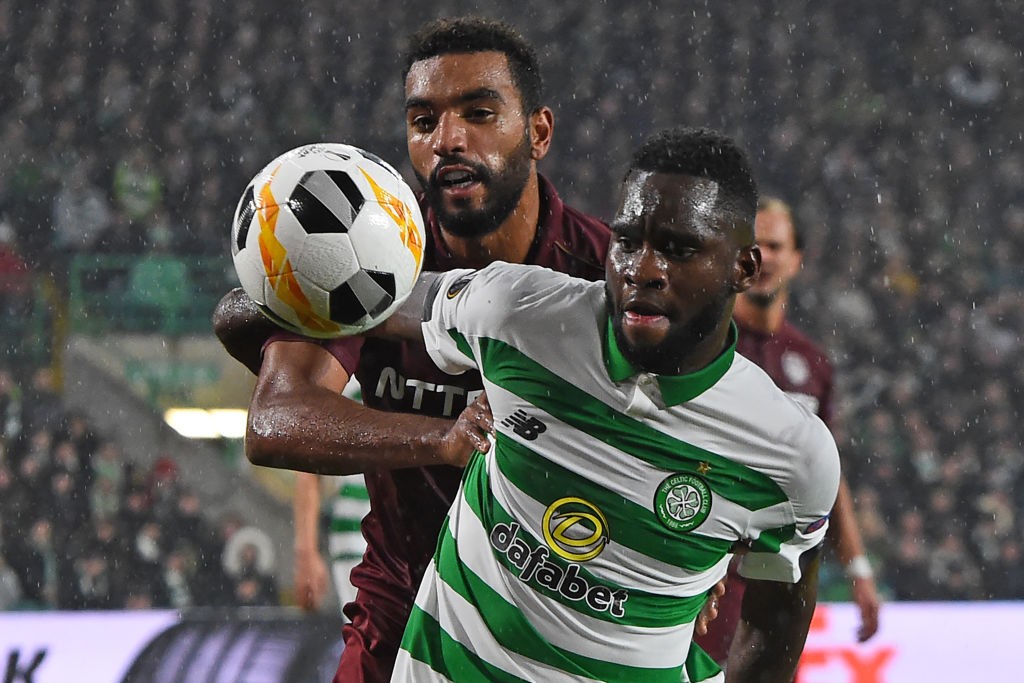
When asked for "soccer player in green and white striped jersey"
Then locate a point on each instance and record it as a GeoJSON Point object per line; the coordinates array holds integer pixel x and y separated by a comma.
{"type": "Point", "coordinates": [634, 452]}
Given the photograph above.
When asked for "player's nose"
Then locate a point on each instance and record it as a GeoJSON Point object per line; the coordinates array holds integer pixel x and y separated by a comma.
{"type": "Point", "coordinates": [449, 136]}
{"type": "Point", "coordinates": [647, 268]}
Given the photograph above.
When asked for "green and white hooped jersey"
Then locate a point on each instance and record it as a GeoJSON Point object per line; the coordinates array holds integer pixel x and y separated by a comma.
{"type": "Point", "coordinates": [582, 546]}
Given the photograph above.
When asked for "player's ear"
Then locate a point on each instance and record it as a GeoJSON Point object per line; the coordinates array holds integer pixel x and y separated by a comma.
{"type": "Point", "coordinates": [746, 268]}
{"type": "Point", "coordinates": [542, 127]}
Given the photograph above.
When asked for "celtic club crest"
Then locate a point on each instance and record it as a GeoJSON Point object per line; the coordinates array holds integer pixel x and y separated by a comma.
{"type": "Point", "coordinates": [682, 502]}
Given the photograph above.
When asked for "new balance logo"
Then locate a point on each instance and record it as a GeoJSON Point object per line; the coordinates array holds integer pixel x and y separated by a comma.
{"type": "Point", "coordinates": [525, 426]}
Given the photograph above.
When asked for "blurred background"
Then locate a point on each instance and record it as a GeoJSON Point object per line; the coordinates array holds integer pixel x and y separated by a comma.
{"type": "Point", "coordinates": [129, 129]}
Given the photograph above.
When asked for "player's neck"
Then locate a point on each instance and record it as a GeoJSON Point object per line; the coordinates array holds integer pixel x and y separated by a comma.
{"type": "Point", "coordinates": [767, 318]}
{"type": "Point", "coordinates": [510, 242]}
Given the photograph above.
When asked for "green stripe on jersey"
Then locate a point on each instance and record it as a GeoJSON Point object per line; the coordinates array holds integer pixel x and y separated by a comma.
{"type": "Point", "coordinates": [631, 525]}
{"type": "Point", "coordinates": [513, 631]}
{"type": "Point", "coordinates": [461, 342]}
{"type": "Point", "coordinates": [354, 491]}
{"type": "Point", "coordinates": [771, 540]}
{"type": "Point", "coordinates": [507, 367]}
{"type": "Point", "coordinates": [699, 664]}
{"type": "Point", "coordinates": [344, 525]}
{"type": "Point", "coordinates": [426, 641]}
{"type": "Point", "coordinates": [642, 609]}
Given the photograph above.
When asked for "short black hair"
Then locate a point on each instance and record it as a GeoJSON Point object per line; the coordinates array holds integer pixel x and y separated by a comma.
{"type": "Point", "coordinates": [464, 35]}
{"type": "Point", "coordinates": [703, 153]}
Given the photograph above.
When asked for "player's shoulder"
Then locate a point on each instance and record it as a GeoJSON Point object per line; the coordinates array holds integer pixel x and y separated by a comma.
{"type": "Point", "coordinates": [503, 290]}
{"type": "Point", "coordinates": [570, 240]}
{"type": "Point", "coordinates": [787, 419]}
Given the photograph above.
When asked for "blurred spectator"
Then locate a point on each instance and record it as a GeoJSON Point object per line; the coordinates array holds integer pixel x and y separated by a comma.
{"type": "Point", "coordinates": [95, 585]}
{"type": "Point", "coordinates": [68, 504]}
{"type": "Point", "coordinates": [10, 407]}
{"type": "Point", "coordinates": [78, 430]}
{"type": "Point", "coordinates": [137, 186]}
{"type": "Point", "coordinates": [163, 488]}
{"type": "Point", "coordinates": [178, 578]}
{"type": "Point", "coordinates": [249, 563]}
{"type": "Point", "coordinates": [42, 403]}
{"type": "Point", "coordinates": [81, 212]}
{"type": "Point", "coordinates": [15, 281]}
{"type": "Point", "coordinates": [253, 583]}
{"type": "Point", "coordinates": [36, 562]}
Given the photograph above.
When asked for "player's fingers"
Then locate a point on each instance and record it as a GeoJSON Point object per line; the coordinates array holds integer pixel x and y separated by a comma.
{"type": "Point", "coordinates": [868, 625]}
{"type": "Point", "coordinates": [483, 418]}
{"type": "Point", "coordinates": [707, 614]}
{"type": "Point", "coordinates": [480, 440]}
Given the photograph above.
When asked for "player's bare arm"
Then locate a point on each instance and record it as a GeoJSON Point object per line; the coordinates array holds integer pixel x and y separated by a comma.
{"type": "Point", "coordinates": [773, 626]}
{"type": "Point", "coordinates": [844, 534]}
{"type": "Point", "coordinates": [299, 420]}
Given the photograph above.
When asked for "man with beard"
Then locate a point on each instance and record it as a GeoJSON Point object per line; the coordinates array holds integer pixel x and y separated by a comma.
{"type": "Point", "coordinates": [635, 451]}
{"type": "Point", "coordinates": [476, 128]}
{"type": "Point", "coordinates": [803, 371]}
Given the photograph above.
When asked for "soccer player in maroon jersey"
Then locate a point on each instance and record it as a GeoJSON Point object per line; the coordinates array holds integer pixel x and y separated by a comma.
{"type": "Point", "coordinates": [476, 128]}
{"type": "Point", "coordinates": [802, 370]}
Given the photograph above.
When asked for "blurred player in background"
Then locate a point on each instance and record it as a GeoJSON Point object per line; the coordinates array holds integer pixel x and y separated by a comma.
{"type": "Point", "coordinates": [803, 371]}
{"type": "Point", "coordinates": [348, 502]}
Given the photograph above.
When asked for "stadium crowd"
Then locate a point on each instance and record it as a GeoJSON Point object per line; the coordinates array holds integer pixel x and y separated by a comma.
{"type": "Point", "coordinates": [83, 527]}
{"type": "Point", "coordinates": [893, 128]}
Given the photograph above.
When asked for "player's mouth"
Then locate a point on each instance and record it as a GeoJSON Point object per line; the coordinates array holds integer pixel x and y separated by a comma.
{"type": "Point", "coordinates": [457, 181]}
{"type": "Point", "coordinates": [644, 317]}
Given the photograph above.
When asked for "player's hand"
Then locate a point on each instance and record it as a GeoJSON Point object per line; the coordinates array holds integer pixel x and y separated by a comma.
{"type": "Point", "coordinates": [310, 579]}
{"type": "Point", "coordinates": [865, 594]}
{"type": "Point", "coordinates": [470, 433]}
{"type": "Point", "coordinates": [709, 612]}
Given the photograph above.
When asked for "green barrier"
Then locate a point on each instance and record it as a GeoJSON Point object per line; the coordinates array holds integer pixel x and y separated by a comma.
{"type": "Point", "coordinates": [150, 293]}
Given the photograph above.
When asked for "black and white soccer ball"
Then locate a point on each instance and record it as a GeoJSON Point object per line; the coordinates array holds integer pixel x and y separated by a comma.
{"type": "Point", "coordinates": [327, 240]}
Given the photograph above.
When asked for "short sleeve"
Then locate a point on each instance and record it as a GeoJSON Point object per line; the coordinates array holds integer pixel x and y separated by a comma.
{"type": "Point", "coordinates": [447, 346]}
{"type": "Point", "coordinates": [467, 306]}
{"type": "Point", "coordinates": [777, 547]}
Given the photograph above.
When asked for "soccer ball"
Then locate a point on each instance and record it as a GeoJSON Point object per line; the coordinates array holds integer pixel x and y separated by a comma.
{"type": "Point", "coordinates": [327, 240]}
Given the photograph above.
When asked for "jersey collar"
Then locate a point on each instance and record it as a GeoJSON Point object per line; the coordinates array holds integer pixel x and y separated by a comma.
{"type": "Point", "coordinates": [675, 389]}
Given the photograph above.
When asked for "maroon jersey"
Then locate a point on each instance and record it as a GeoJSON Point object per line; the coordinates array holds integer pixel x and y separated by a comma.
{"type": "Point", "coordinates": [794, 362]}
{"type": "Point", "coordinates": [803, 371]}
{"type": "Point", "coordinates": [408, 506]}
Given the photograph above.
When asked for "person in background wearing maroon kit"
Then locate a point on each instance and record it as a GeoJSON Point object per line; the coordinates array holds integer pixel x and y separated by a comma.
{"type": "Point", "coordinates": [802, 370]}
{"type": "Point", "coordinates": [475, 129]}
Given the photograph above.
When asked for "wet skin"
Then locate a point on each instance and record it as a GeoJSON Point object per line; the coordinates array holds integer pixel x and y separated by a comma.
{"type": "Point", "coordinates": [469, 140]}
{"type": "Point", "coordinates": [673, 270]}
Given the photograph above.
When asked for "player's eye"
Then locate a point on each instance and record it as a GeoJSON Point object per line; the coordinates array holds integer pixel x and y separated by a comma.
{"type": "Point", "coordinates": [674, 249]}
{"type": "Point", "coordinates": [480, 114]}
{"type": "Point", "coordinates": [626, 243]}
{"type": "Point", "coordinates": [422, 123]}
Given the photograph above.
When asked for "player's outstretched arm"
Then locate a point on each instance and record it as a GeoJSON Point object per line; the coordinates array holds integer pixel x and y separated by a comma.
{"type": "Point", "coordinates": [773, 626]}
{"type": "Point", "coordinates": [310, 567]}
{"type": "Point", "coordinates": [299, 420]}
{"type": "Point", "coordinates": [844, 533]}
